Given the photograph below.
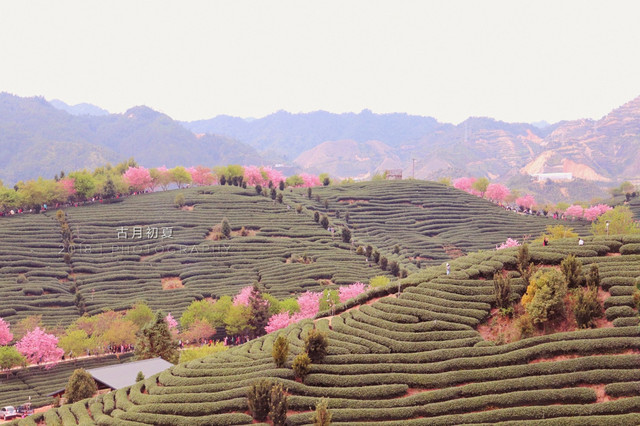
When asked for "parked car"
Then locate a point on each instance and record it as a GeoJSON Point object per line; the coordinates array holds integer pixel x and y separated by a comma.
{"type": "Point", "coordinates": [8, 412]}
{"type": "Point", "coordinates": [24, 410]}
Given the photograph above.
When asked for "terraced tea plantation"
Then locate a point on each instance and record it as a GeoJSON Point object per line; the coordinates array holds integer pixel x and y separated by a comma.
{"type": "Point", "coordinates": [128, 251]}
{"type": "Point", "coordinates": [429, 222]}
{"type": "Point", "coordinates": [417, 359]}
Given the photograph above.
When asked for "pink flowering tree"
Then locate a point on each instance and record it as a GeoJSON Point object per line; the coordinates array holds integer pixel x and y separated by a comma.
{"type": "Point", "coordinates": [201, 175]}
{"type": "Point", "coordinates": [509, 243]}
{"type": "Point", "coordinates": [38, 346]}
{"type": "Point", "coordinates": [253, 176]}
{"type": "Point", "coordinates": [526, 202]}
{"type": "Point", "coordinates": [138, 178]}
{"type": "Point", "coordinates": [309, 180]}
{"type": "Point", "coordinates": [497, 192]}
{"type": "Point", "coordinates": [350, 291]}
{"type": "Point", "coordinates": [272, 175]}
{"type": "Point", "coordinates": [5, 333]}
{"type": "Point", "coordinates": [242, 298]}
{"type": "Point", "coordinates": [278, 321]}
{"type": "Point", "coordinates": [309, 303]}
{"type": "Point", "coordinates": [172, 324]}
{"type": "Point", "coordinates": [464, 183]}
{"type": "Point", "coordinates": [67, 185]}
{"type": "Point", "coordinates": [575, 211]}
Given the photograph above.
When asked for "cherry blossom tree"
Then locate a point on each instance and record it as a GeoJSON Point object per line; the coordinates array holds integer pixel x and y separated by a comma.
{"type": "Point", "coordinates": [309, 303]}
{"type": "Point", "coordinates": [593, 212]}
{"type": "Point", "coordinates": [272, 175]}
{"type": "Point", "coordinates": [171, 321]}
{"type": "Point", "coordinates": [243, 298]}
{"type": "Point", "coordinates": [309, 180]}
{"type": "Point", "coordinates": [5, 333]}
{"type": "Point", "coordinates": [201, 175]}
{"type": "Point", "coordinates": [509, 243]}
{"type": "Point", "coordinates": [138, 178]}
{"type": "Point", "coordinates": [278, 321]}
{"type": "Point", "coordinates": [464, 183]}
{"type": "Point", "coordinates": [497, 192]}
{"type": "Point", "coordinates": [253, 176]}
{"type": "Point", "coordinates": [350, 291]}
{"type": "Point", "coordinates": [526, 202]}
{"type": "Point", "coordinates": [575, 211]}
{"type": "Point", "coordinates": [67, 185]}
{"type": "Point", "coordinates": [38, 346]}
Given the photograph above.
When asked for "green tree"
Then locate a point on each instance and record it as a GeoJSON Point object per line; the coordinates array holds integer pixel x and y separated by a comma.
{"type": "Point", "coordinates": [273, 193]}
{"type": "Point", "coordinates": [139, 376]}
{"type": "Point", "coordinates": [322, 415]}
{"type": "Point", "coordinates": [620, 222]}
{"type": "Point", "coordinates": [237, 320]}
{"type": "Point", "coordinates": [225, 228]}
{"type": "Point", "coordinates": [10, 357]}
{"type": "Point", "coordinates": [180, 176]}
{"type": "Point", "coordinates": [258, 312]}
{"type": "Point", "coordinates": [294, 180]}
{"type": "Point", "coordinates": [329, 299]}
{"type": "Point", "coordinates": [557, 232]}
{"type": "Point", "coordinates": [481, 185]}
{"type": "Point", "coordinates": [324, 222]}
{"type": "Point", "coordinates": [75, 342]}
{"type": "Point", "coordinates": [316, 217]}
{"type": "Point", "coordinates": [140, 314]}
{"type": "Point", "coordinates": [84, 184]}
{"type": "Point", "coordinates": [220, 310]}
{"type": "Point", "coordinates": [80, 386]}
{"type": "Point", "coordinates": [502, 290]}
{"type": "Point", "coordinates": [315, 344]}
{"type": "Point", "coordinates": [346, 235]}
{"type": "Point", "coordinates": [289, 305]}
{"type": "Point", "coordinates": [155, 340]}
{"type": "Point", "coordinates": [586, 307]}
{"type": "Point", "coordinates": [394, 268]}
{"type": "Point", "coordinates": [259, 399]}
{"type": "Point", "coordinates": [379, 281]}
{"type": "Point", "coordinates": [200, 309]}
{"type": "Point", "coordinates": [571, 269]}
{"type": "Point", "coordinates": [278, 405]}
{"type": "Point", "coordinates": [109, 190]}
{"type": "Point", "coordinates": [179, 200]}
{"type": "Point", "coordinates": [280, 350]}
{"type": "Point", "coordinates": [593, 279]}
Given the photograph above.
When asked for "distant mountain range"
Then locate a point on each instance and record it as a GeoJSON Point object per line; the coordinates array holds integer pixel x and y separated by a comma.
{"type": "Point", "coordinates": [37, 138]}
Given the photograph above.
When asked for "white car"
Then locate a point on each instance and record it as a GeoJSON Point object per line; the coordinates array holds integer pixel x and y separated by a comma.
{"type": "Point", "coordinates": [8, 412]}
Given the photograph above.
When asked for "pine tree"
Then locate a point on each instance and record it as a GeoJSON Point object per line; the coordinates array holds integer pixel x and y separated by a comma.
{"type": "Point", "coordinates": [322, 415]}
{"type": "Point", "coordinates": [259, 399]}
{"type": "Point", "coordinates": [280, 350]}
{"type": "Point", "coordinates": [259, 317]}
{"type": "Point", "coordinates": [316, 345]}
{"type": "Point", "coordinates": [155, 340]}
{"type": "Point", "coordinates": [225, 228]}
{"type": "Point", "coordinates": [278, 405]}
{"type": "Point", "coordinates": [80, 386]}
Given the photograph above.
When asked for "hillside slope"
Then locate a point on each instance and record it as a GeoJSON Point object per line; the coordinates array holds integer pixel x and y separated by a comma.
{"type": "Point", "coordinates": [417, 359]}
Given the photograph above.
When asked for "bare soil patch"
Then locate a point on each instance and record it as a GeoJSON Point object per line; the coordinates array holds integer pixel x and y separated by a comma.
{"type": "Point", "coordinates": [613, 254]}
{"type": "Point", "coordinates": [187, 208]}
{"type": "Point", "coordinates": [172, 283]}
{"type": "Point", "coordinates": [245, 232]}
{"type": "Point", "coordinates": [353, 201]}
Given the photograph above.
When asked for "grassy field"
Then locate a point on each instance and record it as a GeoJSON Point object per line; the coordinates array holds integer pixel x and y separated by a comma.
{"type": "Point", "coordinates": [418, 359]}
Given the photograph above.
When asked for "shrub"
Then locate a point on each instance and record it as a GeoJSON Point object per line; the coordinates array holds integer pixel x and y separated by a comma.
{"type": "Point", "coordinates": [383, 263]}
{"type": "Point", "coordinates": [258, 189]}
{"type": "Point", "coordinates": [298, 208]}
{"type": "Point", "coordinates": [593, 279]}
{"type": "Point", "coordinates": [324, 222]}
{"type": "Point", "coordinates": [80, 386]}
{"type": "Point", "coordinates": [379, 281]}
{"type": "Point", "coordinates": [301, 365]}
{"type": "Point", "coordinates": [280, 350]}
{"type": "Point", "coordinates": [22, 278]}
{"type": "Point", "coordinates": [502, 290]}
{"type": "Point", "coordinates": [259, 399]}
{"type": "Point", "coordinates": [394, 268]}
{"type": "Point", "coordinates": [179, 200]}
{"type": "Point", "coordinates": [586, 307]}
{"type": "Point", "coordinates": [322, 415]}
{"type": "Point", "coordinates": [225, 228]}
{"type": "Point", "coordinates": [315, 345]}
{"type": "Point", "coordinates": [571, 269]}
{"type": "Point", "coordinates": [544, 297]}
{"type": "Point", "coordinates": [278, 405]}
{"type": "Point", "coordinates": [140, 376]}
{"type": "Point", "coordinates": [346, 235]}
{"type": "Point", "coordinates": [316, 217]}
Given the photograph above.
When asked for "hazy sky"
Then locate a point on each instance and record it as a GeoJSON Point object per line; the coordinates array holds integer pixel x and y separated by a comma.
{"type": "Point", "coordinates": [512, 60]}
